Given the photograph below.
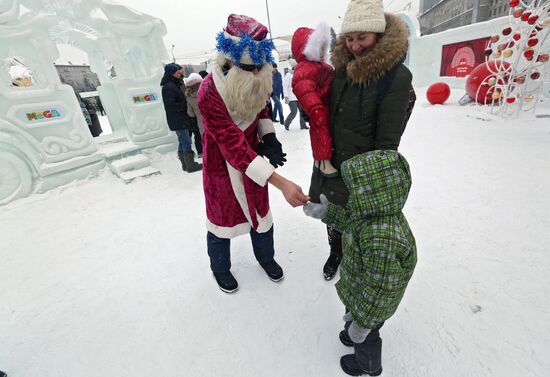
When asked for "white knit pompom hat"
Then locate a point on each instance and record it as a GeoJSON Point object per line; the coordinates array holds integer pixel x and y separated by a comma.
{"type": "Point", "coordinates": [364, 15]}
{"type": "Point", "coordinates": [193, 79]}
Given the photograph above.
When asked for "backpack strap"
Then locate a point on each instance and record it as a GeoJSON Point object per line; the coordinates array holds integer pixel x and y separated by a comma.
{"type": "Point", "coordinates": [383, 85]}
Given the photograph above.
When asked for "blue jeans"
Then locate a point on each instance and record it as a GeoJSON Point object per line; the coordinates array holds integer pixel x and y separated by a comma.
{"type": "Point", "coordinates": [185, 141]}
{"type": "Point", "coordinates": [220, 256]}
{"type": "Point", "coordinates": [277, 108]}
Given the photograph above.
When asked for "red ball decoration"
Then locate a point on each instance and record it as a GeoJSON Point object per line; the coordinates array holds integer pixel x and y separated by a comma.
{"type": "Point", "coordinates": [518, 12]}
{"type": "Point", "coordinates": [517, 36]}
{"type": "Point", "coordinates": [532, 20]}
{"type": "Point", "coordinates": [438, 93]}
{"type": "Point", "coordinates": [479, 77]}
{"type": "Point", "coordinates": [514, 3]}
{"type": "Point", "coordinates": [525, 16]}
{"type": "Point", "coordinates": [506, 31]}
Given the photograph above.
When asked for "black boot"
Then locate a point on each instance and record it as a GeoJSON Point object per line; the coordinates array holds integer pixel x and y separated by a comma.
{"type": "Point", "coordinates": [190, 163]}
{"type": "Point", "coordinates": [335, 242]}
{"type": "Point", "coordinates": [183, 165]}
{"type": "Point", "coordinates": [273, 270]}
{"type": "Point", "coordinates": [226, 281]}
{"type": "Point", "coordinates": [331, 266]}
{"type": "Point", "coordinates": [344, 336]}
{"type": "Point", "coordinates": [366, 360]}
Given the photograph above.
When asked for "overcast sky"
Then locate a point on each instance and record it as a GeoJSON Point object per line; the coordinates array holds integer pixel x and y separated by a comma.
{"type": "Point", "coordinates": [192, 25]}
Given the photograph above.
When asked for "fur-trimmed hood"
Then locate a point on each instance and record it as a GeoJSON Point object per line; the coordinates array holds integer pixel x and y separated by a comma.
{"type": "Point", "coordinates": [389, 51]}
{"type": "Point", "coordinates": [311, 44]}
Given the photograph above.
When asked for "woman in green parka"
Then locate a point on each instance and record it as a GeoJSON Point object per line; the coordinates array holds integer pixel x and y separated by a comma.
{"type": "Point", "coordinates": [369, 98]}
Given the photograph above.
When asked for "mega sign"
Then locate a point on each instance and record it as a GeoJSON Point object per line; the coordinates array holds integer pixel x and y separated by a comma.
{"type": "Point", "coordinates": [43, 115]}
{"type": "Point", "coordinates": [151, 97]}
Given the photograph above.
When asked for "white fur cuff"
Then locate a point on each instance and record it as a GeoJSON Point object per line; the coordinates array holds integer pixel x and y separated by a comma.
{"type": "Point", "coordinates": [259, 170]}
{"type": "Point", "coordinates": [265, 126]}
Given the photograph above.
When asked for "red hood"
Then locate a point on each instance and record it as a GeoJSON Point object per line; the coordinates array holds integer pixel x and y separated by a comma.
{"type": "Point", "coordinates": [299, 41]}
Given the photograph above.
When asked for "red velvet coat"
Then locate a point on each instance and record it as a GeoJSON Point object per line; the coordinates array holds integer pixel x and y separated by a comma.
{"type": "Point", "coordinates": [311, 85]}
{"type": "Point", "coordinates": [234, 175]}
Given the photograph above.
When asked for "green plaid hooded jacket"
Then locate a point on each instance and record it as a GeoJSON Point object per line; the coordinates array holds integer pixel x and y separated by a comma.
{"type": "Point", "coordinates": [379, 247]}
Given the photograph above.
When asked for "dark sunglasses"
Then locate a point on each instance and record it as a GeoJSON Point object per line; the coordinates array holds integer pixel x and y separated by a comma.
{"type": "Point", "coordinates": [250, 67]}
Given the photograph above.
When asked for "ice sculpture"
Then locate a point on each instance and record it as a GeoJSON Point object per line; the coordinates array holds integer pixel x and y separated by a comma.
{"type": "Point", "coordinates": [44, 139]}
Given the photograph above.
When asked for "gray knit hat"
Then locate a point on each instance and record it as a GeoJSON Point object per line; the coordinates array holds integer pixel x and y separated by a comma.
{"type": "Point", "coordinates": [364, 15]}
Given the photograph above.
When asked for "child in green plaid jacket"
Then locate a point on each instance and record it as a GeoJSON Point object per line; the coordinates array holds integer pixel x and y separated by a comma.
{"type": "Point", "coordinates": [379, 251]}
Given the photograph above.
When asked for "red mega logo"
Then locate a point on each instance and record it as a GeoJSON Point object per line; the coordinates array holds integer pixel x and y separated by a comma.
{"type": "Point", "coordinates": [46, 114]}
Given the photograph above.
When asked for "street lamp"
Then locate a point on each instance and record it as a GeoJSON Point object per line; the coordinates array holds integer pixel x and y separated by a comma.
{"type": "Point", "coordinates": [173, 57]}
{"type": "Point", "coordinates": [268, 20]}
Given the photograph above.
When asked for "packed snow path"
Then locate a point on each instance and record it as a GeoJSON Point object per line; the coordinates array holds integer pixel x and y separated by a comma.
{"type": "Point", "coordinates": [107, 279]}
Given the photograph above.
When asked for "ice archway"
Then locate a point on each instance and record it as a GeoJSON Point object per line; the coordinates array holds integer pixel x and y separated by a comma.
{"type": "Point", "coordinates": [44, 140]}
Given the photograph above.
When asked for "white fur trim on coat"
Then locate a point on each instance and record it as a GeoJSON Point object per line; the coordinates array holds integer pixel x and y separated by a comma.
{"type": "Point", "coordinates": [259, 170]}
{"type": "Point", "coordinates": [265, 126]}
{"type": "Point", "coordinates": [316, 49]}
{"type": "Point", "coordinates": [264, 225]}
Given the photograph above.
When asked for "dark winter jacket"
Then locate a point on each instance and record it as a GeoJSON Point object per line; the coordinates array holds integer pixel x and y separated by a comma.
{"type": "Point", "coordinates": [359, 122]}
{"type": "Point", "coordinates": [379, 248]}
{"type": "Point", "coordinates": [277, 85]}
{"type": "Point", "coordinates": [175, 103]}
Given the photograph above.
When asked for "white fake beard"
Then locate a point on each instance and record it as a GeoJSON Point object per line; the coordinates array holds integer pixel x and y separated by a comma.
{"type": "Point", "coordinates": [245, 93]}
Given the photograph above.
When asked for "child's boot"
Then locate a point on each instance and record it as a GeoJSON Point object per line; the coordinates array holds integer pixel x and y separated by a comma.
{"type": "Point", "coordinates": [326, 168]}
{"type": "Point", "coordinates": [344, 336]}
{"type": "Point", "coordinates": [367, 359]}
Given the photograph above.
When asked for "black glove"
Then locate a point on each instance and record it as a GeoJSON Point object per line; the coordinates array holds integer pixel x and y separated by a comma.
{"type": "Point", "coordinates": [271, 148]}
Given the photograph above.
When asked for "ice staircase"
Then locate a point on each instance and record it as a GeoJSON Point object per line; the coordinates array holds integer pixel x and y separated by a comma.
{"type": "Point", "coordinates": [125, 159]}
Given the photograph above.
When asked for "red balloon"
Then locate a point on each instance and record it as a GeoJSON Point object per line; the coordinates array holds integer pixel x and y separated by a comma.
{"type": "Point", "coordinates": [479, 77]}
{"type": "Point", "coordinates": [438, 93]}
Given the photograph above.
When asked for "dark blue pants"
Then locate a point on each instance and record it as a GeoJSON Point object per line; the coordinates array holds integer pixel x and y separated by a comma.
{"type": "Point", "coordinates": [220, 256]}
{"type": "Point", "coordinates": [277, 108]}
{"type": "Point", "coordinates": [185, 141]}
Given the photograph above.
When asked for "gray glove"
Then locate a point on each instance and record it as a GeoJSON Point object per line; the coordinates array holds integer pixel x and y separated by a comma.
{"type": "Point", "coordinates": [317, 210]}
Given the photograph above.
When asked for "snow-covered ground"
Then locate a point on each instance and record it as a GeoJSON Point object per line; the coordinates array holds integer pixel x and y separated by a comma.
{"type": "Point", "coordinates": [106, 279]}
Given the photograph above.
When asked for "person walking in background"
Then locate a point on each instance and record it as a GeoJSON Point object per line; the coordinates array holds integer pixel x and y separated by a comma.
{"type": "Point", "coordinates": [95, 127]}
{"type": "Point", "coordinates": [100, 107]}
{"type": "Point", "coordinates": [192, 84]}
{"type": "Point", "coordinates": [232, 101]}
{"type": "Point", "coordinates": [290, 98]}
{"type": "Point", "coordinates": [85, 112]}
{"type": "Point", "coordinates": [277, 95]}
{"type": "Point", "coordinates": [175, 105]}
